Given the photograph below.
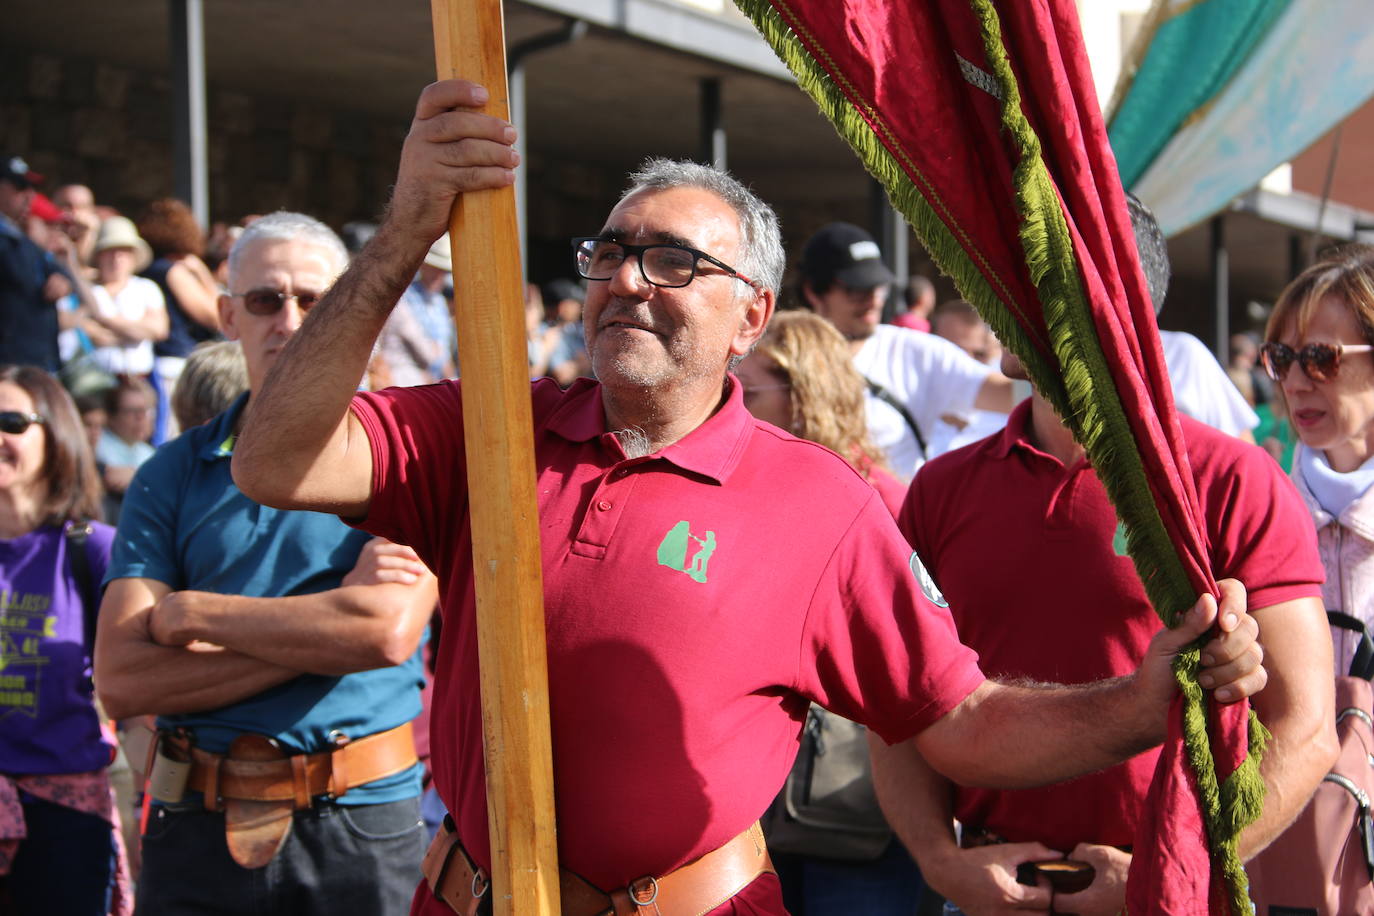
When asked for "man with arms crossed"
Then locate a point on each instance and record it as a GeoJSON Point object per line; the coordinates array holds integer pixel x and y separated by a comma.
{"type": "Point", "coordinates": [282, 639]}
{"type": "Point", "coordinates": [692, 608]}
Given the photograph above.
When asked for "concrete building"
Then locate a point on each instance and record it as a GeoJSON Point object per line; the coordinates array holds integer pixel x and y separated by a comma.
{"type": "Point", "coordinates": [306, 104]}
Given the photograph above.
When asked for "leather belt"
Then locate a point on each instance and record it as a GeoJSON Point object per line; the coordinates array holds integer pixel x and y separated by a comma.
{"type": "Point", "coordinates": [259, 786]}
{"type": "Point", "coordinates": [696, 888]}
{"type": "Point", "coordinates": [298, 778]}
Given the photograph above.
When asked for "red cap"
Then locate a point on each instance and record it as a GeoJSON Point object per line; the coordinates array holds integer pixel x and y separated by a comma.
{"type": "Point", "coordinates": [45, 209]}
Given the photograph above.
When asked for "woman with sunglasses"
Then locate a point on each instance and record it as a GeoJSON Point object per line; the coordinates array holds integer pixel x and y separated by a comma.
{"type": "Point", "coordinates": [58, 845]}
{"type": "Point", "coordinates": [1319, 349]}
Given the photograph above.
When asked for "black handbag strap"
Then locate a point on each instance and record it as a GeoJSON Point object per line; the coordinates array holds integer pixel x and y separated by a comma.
{"type": "Point", "coordinates": [79, 568]}
{"type": "Point", "coordinates": [890, 399]}
{"type": "Point", "coordinates": [1362, 665]}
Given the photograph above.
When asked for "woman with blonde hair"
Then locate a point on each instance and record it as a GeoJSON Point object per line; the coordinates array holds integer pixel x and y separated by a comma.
{"type": "Point", "coordinates": [801, 377]}
{"type": "Point", "coordinates": [1319, 350]}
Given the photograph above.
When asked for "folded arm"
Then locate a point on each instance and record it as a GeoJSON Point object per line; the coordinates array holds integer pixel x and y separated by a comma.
{"type": "Point", "coordinates": [164, 652]}
{"type": "Point", "coordinates": [135, 675]}
{"type": "Point", "coordinates": [355, 627]}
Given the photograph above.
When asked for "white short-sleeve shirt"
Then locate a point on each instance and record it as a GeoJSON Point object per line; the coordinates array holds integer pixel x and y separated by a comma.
{"type": "Point", "coordinates": [928, 375]}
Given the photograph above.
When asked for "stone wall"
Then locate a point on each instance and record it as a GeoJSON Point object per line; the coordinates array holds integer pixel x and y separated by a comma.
{"type": "Point", "coordinates": [111, 128]}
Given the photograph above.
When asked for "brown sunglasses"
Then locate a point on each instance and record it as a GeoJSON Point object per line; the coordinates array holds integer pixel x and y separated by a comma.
{"type": "Point", "coordinates": [1321, 361]}
{"type": "Point", "coordinates": [264, 302]}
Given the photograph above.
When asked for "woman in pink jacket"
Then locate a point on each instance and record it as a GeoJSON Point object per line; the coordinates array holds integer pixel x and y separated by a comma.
{"type": "Point", "coordinates": [1319, 348]}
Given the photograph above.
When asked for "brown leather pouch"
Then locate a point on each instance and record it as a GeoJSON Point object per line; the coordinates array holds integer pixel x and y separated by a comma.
{"type": "Point", "coordinates": [254, 830]}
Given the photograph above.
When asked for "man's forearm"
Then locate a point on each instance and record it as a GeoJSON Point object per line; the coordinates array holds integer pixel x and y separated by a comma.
{"type": "Point", "coordinates": [148, 679]}
{"type": "Point", "coordinates": [136, 676]}
{"type": "Point", "coordinates": [917, 802]}
{"type": "Point", "coordinates": [335, 632]}
{"type": "Point", "coordinates": [1014, 736]}
{"type": "Point", "coordinates": [297, 427]}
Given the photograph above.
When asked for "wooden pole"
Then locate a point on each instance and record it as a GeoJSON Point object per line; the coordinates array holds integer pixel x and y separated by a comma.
{"type": "Point", "coordinates": [489, 314]}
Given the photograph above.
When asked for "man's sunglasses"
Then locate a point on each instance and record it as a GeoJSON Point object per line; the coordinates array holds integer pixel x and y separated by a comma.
{"type": "Point", "coordinates": [16, 423]}
{"type": "Point", "coordinates": [1320, 361]}
{"type": "Point", "coordinates": [264, 302]}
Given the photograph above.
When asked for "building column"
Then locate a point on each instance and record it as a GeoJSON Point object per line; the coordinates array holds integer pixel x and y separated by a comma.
{"type": "Point", "coordinates": [893, 235]}
{"type": "Point", "coordinates": [189, 153]}
{"type": "Point", "coordinates": [1221, 290]}
{"type": "Point", "coordinates": [712, 123]}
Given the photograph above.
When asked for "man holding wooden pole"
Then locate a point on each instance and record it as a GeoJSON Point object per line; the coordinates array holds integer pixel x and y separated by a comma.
{"type": "Point", "coordinates": [695, 603]}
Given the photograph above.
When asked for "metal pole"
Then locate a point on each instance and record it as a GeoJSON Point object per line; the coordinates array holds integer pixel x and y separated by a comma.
{"type": "Point", "coordinates": [515, 82]}
{"type": "Point", "coordinates": [891, 232]}
{"type": "Point", "coordinates": [1221, 289]}
{"type": "Point", "coordinates": [191, 168]}
{"type": "Point", "coordinates": [712, 123]}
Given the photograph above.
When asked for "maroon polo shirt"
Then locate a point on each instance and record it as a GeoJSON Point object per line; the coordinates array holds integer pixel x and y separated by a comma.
{"type": "Point", "coordinates": [695, 600]}
{"type": "Point", "coordinates": [1026, 553]}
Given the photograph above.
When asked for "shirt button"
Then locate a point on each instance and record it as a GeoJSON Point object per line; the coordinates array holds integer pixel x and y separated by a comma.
{"type": "Point", "coordinates": [604, 505]}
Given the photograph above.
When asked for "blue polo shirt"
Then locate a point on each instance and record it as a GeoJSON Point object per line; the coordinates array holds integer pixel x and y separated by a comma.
{"type": "Point", "coordinates": [186, 524]}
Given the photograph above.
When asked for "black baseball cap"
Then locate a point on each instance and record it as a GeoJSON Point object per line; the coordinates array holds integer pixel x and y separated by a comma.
{"type": "Point", "coordinates": [17, 172]}
{"type": "Point", "coordinates": [845, 254]}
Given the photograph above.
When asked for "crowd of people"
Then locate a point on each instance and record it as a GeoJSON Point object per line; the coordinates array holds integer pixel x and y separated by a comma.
{"type": "Point", "coordinates": [234, 539]}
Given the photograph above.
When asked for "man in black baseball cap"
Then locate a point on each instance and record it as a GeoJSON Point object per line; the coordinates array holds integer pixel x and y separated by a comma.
{"type": "Point", "coordinates": [844, 279]}
{"type": "Point", "coordinates": [30, 280]}
{"type": "Point", "coordinates": [913, 378]}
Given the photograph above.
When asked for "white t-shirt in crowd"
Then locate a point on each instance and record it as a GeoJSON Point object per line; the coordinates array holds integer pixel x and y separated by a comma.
{"type": "Point", "coordinates": [138, 297]}
{"type": "Point", "coordinates": [926, 374]}
{"type": "Point", "coordinates": [1202, 389]}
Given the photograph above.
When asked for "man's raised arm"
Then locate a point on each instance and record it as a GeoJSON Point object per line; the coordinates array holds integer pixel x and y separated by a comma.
{"type": "Point", "coordinates": [300, 447]}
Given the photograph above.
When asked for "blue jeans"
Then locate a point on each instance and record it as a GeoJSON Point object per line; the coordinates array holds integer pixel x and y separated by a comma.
{"type": "Point", "coordinates": [890, 885]}
{"type": "Point", "coordinates": [337, 859]}
{"type": "Point", "coordinates": [65, 865]}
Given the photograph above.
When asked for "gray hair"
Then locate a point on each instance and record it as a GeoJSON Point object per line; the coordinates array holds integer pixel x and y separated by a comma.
{"type": "Point", "coordinates": [761, 255]}
{"type": "Point", "coordinates": [285, 226]}
{"type": "Point", "coordinates": [215, 374]}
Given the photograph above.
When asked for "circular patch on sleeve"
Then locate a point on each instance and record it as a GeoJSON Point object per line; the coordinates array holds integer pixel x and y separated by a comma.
{"type": "Point", "coordinates": [928, 586]}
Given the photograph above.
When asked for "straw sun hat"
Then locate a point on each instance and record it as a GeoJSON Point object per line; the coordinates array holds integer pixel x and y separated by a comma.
{"type": "Point", "coordinates": [120, 232]}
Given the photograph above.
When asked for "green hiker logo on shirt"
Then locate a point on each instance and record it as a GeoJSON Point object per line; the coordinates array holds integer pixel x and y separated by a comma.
{"type": "Point", "coordinates": [1119, 540]}
{"type": "Point", "coordinates": [682, 550]}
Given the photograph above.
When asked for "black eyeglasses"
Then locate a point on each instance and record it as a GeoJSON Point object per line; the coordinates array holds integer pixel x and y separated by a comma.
{"type": "Point", "coordinates": [1320, 361]}
{"type": "Point", "coordinates": [669, 266]}
{"type": "Point", "coordinates": [264, 302]}
{"type": "Point", "coordinates": [16, 423]}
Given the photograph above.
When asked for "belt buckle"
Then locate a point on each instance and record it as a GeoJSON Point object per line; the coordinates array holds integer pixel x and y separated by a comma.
{"type": "Point", "coordinates": [637, 887]}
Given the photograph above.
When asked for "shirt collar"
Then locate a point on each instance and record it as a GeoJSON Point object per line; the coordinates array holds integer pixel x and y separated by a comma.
{"type": "Point", "coordinates": [712, 450]}
{"type": "Point", "coordinates": [1016, 432]}
{"type": "Point", "coordinates": [220, 436]}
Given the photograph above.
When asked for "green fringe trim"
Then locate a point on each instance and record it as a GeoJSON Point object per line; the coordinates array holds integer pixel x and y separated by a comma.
{"type": "Point", "coordinates": [1082, 393]}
